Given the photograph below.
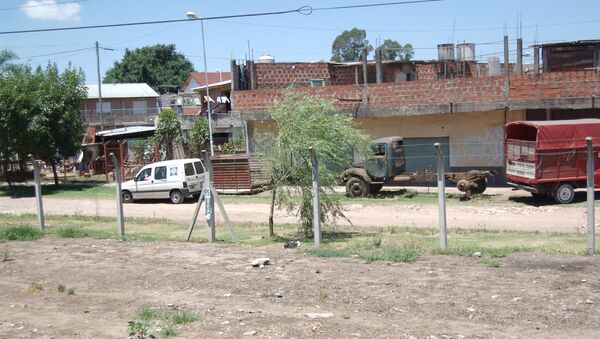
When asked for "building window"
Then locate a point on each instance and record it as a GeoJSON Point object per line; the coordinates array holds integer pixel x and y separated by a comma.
{"type": "Point", "coordinates": [317, 82]}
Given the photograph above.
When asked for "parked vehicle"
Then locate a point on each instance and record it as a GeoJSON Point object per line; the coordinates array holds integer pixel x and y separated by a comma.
{"type": "Point", "coordinates": [548, 158]}
{"type": "Point", "coordinates": [172, 179]}
{"type": "Point", "coordinates": [387, 165]}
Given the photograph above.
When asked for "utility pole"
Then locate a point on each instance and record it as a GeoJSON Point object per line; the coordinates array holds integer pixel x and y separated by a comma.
{"type": "Point", "coordinates": [99, 86]}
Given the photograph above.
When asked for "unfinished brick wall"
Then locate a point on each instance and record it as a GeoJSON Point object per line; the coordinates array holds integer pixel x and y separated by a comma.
{"type": "Point", "coordinates": [426, 72]}
{"type": "Point", "coordinates": [345, 75]}
{"type": "Point", "coordinates": [555, 85]}
{"type": "Point", "coordinates": [461, 90]}
{"type": "Point", "coordinates": [282, 75]}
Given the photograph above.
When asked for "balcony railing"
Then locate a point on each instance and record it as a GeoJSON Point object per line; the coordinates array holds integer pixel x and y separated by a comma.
{"type": "Point", "coordinates": [119, 116]}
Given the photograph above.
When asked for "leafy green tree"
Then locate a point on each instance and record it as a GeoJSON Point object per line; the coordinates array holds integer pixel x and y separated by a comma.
{"type": "Point", "coordinates": [168, 129]}
{"type": "Point", "coordinates": [303, 122]}
{"type": "Point", "coordinates": [393, 50]}
{"type": "Point", "coordinates": [160, 66]}
{"type": "Point", "coordinates": [198, 136]}
{"type": "Point", "coordinates": [349, 45]}
{"type": "Point", "coordinates": [39, 113]}
{"type": "Point", "coordinates": [6, 56]}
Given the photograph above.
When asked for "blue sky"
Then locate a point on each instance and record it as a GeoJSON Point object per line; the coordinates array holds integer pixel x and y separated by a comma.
{"type": "Point", "coordinates": [289, 37]}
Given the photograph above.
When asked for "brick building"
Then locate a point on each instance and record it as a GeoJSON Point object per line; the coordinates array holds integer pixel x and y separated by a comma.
{"type": "Point", "coordinates": [456, 104]}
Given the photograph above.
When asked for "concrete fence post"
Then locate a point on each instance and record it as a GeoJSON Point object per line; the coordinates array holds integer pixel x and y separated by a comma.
{"type": "Point", "coordinates": [38, 191]}
{"type": "Point", "coordinates": [119, 195]}
{"type": "Point", "coordinates": [315, 196]}
{"type": "Point", "coordinates": [591, 227]}
{"type": "Point", "coordinates": [441, 183]}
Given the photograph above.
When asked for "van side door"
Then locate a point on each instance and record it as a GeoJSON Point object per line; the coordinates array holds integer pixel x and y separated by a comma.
{"type": "Point", "coordinates": [143, 184]}
{"type": "Point", "coordinates": [161, 187]}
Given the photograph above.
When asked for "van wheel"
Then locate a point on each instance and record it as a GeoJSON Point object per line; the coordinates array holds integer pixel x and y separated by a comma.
{"type": "Point", "coordinates": [356, 188]}
{"type": "Point", "coordinates": [564, 194]}
{"type": "Point", "coordinates": [126, 197]}
{"type": "Point", "coordinates": [176, 197]}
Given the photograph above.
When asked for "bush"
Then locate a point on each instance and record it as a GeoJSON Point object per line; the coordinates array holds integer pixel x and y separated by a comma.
{"type": "Point", "coordinates": [20, 233]}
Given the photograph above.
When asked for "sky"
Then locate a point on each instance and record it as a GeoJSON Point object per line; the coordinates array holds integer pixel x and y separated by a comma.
{"type": "Point", "coordinates": [287, 37]}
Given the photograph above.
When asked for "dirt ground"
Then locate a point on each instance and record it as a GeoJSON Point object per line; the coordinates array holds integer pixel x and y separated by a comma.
{"type": "Point", "coordinates": [494, 214]}
{"type": "Point", "coordinates": [529, 295]}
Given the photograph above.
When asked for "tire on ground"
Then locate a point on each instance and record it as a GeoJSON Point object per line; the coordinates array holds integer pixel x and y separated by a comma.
{"type": "Point", "coordinates": [127, 197]}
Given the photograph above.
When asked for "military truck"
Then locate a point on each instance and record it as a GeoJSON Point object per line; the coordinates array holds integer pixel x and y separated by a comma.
{"type": "Point", "coordinates": [387, 165]}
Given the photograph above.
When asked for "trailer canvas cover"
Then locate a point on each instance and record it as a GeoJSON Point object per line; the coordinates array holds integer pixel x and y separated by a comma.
{"type": "Point", "coordinates": [557, 134]}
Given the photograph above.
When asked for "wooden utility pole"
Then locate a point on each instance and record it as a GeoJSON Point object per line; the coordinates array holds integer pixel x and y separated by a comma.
{"type": "Point", "coordinates": [315, 196]}
{"type": "Point", "coordinates": [591, 227]}
{"type": "Point", "coordinates": [441, 183]}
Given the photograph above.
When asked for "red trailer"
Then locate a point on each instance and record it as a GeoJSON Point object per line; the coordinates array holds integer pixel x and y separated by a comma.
{"type": "Point", "coordinates": [548, 158]}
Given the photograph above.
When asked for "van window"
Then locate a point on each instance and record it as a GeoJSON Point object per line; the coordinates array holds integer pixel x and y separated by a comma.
{"type": "Point", "coordinates": [189, 169]}
{"type": "Point", "coordinates": [145, 174]}
{"type": "Point", "coordinates": [160, 173]}
{"type": "Point", "coordinates": [199, 168]}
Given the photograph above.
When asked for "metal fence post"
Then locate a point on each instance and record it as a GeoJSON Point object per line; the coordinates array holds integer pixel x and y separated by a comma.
{"type": "Point", "coordinates": [315, 196]}
{"type": "Point", "coordinates": [38, 192]}
{"type": "Point", "coordinates": [441, 182]}
{"type": "Point", "coordinates": [208, 199]}
{"type": "Point", "coordinates": [591, 227]}
{"type": "Point", "coordinates": [118, 180]}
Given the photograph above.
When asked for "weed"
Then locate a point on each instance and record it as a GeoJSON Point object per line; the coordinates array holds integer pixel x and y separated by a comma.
{"type": "Point", "coordinates": [148, 314]}
{"type": "Point", "coordinates": [71, 232]}
{"type": "Point", "coordinates": [140, 329]}
{"type": "Point", "coordinates": [20, 233]}
{"type": "Point", "coordinates": [345, 316]}
{"type": "Point", "coordinates": [323, 295]}
{"type": "Point", "coordinates": [328, 252]}
{"type": "Point", "coordinates": [71, 291]}
{"type": "Point", "coordinates": [35, 287]}
{"type": "Point", "coordinates": [169, 332]}
{"type": "Point", "coordinates": [5, 255]}
{"type": "Point", "coordinates": [61, 288]}
{"type": "Point", "coordinates": [182, 317]}
{"type": "Point", "coordinates": [491, 263]}
{"type": "Point", "coordinates": [376, 241]}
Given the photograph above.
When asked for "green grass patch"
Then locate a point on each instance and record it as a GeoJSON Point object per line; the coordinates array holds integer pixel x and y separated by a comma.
{"type": "Point", "coordinates": [20, 233]}
{"type": "Point", "coordinates": [74, 191]}
{"type": "Point", "coordinates": [149, 314]}
{"type": "Point", "coordinates": [169, 332]}
{"type": "Point", "coordinates": [182, 317]}
{"type": "Point", "coordinates": [61, 288]}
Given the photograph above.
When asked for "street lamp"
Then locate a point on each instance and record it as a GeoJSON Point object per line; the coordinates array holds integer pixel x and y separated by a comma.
{"type": "Point", "coordinates": [192, 16]}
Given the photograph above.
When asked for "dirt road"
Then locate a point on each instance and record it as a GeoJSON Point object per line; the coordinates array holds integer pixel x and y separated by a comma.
{"type": "Point", "coordinates": [492, 216]}
{"type": "Point", "coordinates": [529, 295]}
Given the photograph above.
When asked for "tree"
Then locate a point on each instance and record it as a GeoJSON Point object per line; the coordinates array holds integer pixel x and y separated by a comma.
{"type": "Point", "coordinates": [39, 113]}
{"type": "Point", "coordinates": [350, 45]}
{"type": "Point", "coordinates": [168, 129]}
{"type": "Point", "coordinates": [303, 122]}
{"type": "Point", "coordinates": [160, 66]}
{"type": "Point", "coordinates": [6, 56]}
{"type": "Point", "coordinates": [198, 136]}
{"type": "Point", "coordinates": [393, 50]}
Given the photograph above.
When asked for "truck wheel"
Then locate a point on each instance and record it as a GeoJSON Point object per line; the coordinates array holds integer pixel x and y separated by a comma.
{"type": "Point", "coordinates": [176, 197]}
{"type": "Point", "coordinates": [356, 188]}
{"type": "Point", "coordinates": [564, 194]}
{"type": "Point", "coordinates": [375, 188]}
{"type": "Point", "coordinates": [127, 197]}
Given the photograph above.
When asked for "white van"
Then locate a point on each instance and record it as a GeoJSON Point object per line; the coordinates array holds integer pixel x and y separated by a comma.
{"type": "Point", "coordinates": [172, 179]}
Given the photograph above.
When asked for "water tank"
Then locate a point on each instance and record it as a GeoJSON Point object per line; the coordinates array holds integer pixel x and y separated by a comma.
{"type": "Point", "coordinates": [266, 59]}
{"type": "Point", "coordinates": [445, 52]}
{"type": "Point", "coordinates": [494, 66]}
{"type": "Point", "coordinates": [465, 52]}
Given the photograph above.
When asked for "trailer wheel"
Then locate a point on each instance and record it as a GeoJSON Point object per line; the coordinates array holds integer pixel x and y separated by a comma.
{"type": "Point", "coordinates": [481, 186]}
{"type": "Point", "coordinates": [356, 187]}
{"type": "Point", "coordinates": [564, 194]}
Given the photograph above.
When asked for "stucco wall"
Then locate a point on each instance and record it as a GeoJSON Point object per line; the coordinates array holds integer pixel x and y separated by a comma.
{"type": "Point", "coordinates": [475, 138]}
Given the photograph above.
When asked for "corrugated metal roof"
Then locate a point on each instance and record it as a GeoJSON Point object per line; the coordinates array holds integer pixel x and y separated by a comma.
{"type": "Point", "coordinates": [217, 84]}
{"type": "Point", "coordinates": [138, 90]}
{"type": "Point", "coordinates": [126, 130]}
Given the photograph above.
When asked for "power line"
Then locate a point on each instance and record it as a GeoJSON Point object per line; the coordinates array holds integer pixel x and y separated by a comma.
{"type": "Point", "coordinates": [43, 5]}
{"type": "Point", "coordinates": [304, 10]}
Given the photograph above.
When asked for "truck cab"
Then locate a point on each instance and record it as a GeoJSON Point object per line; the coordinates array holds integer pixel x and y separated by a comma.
{"type": "Point", "coordinates": [367, 176]}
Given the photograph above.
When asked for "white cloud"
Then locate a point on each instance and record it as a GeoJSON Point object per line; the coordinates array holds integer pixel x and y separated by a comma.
{"type": "Point", "coordinates": [50, 10]}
